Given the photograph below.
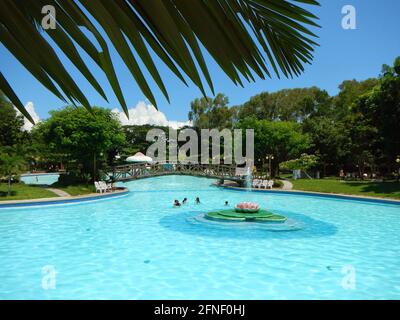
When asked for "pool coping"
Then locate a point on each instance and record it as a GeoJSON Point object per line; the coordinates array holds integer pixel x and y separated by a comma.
{"type": "Point", "coordinates": [29, 174]}
{"type": "Point", "coordinates": [63, 200]}
{"type": "Point", "coordinates": [319, 194]}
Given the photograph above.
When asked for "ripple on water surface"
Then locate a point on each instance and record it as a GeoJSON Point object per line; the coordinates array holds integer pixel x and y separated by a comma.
{"type": "Point", "coordinates": [140, 247]}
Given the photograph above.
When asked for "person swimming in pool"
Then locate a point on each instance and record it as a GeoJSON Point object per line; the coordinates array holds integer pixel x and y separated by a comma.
{"type": "Point", "coordinates": [197, 200]}
{"type": "Point", "coordinates": [176, 203]}
{"type": "Point", "coordinates": [226, 203]}
{"type": "Point", "coordinates": [184, 200]}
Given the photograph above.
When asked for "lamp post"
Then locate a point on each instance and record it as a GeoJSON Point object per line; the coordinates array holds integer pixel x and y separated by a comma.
{"type": "Point", "coordinates": [269, 157]}
{"type": "Point", "coordinates": [398, 172]}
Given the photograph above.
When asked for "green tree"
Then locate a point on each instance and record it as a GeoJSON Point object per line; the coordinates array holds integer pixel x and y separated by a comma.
{"type": "Point", "coordinates": [11, 164]}
{"type": "Point", "coordinates": [83, 138]}
{"type": "Point", "coordinates": [210, 113]}
{"type": "Point", "coordinates": [304, 163]}
{"type": "Point", "coordinates": [364, 149]}
{"type": "Point", "coordinates": [386, 105]}
{"type": "Point", "coordinates": [286, 105]}
{"type": "Point", "coordinates": [136, 138]}
{"type": "Point", "coordinates": [375, 121]}
{"type": "Point", "coordinates": [284, 140]}
{"type": "Point", "coordinates": [350, 91]}
{"type": "Point", "coordinates": [391, 71]}
{"type": "Point", "coordinates": [11, 123]}
{"type": "Point", "coordinates": [330, 141]}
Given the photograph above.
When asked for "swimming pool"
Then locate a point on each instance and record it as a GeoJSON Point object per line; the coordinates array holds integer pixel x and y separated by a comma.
{"type": "Point", "coordinates": [43, 178]}
{"type": "Point", "coordinates": [140, 247]}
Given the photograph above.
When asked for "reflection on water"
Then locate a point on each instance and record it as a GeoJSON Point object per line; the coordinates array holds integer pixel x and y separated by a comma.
{"type": "Point", "coordinates": [301, 225]}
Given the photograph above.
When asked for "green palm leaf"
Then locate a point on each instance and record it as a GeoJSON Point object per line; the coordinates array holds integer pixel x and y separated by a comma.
{"type": "Point", "coordinates": [247, 38]}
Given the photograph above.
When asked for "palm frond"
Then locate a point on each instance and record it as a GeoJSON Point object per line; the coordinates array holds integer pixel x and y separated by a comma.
{"type": "Point", "coordinates": [245, 37]}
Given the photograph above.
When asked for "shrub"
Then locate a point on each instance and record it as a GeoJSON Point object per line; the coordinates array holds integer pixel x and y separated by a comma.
{"type": "Point", "coordinates": [278, 184]}
{"type": "Point", "coordinates": [73, 178]}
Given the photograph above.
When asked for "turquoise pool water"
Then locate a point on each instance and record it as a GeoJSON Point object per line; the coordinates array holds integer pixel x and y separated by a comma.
{"type": "Point", "coordinates": [48, 178]}
{"type": "Point", "coordinates": [140, 247]}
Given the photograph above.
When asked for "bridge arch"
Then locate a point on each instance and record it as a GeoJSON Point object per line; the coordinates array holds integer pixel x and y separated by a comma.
{"type": "Point", "coordinates": [143, 170]}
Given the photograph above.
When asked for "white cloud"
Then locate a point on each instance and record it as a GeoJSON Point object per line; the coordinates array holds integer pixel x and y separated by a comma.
{"type": "Point", "coordinates": [141, 114]}
{"type": "Point", "coordinates": [147, 114]}
{"type": "Point", "coordinates": [30, 107]}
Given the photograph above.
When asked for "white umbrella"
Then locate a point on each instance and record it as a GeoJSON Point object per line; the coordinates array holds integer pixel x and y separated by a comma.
{"type": "Point", "coordinates": [139, 157]}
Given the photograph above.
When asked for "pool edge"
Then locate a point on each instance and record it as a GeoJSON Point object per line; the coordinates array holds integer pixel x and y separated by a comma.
{"type": "Point", "coordinates": [320, 194]}
{"type": "Point", "coordinates": [63, 200]}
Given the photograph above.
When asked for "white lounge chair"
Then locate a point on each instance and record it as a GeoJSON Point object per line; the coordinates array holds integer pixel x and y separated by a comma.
{"type": "Point", "coordinates": [106, 187]}
{"type": "Point", "coordinates": [110, 186]}
{"type": "Point", "coordinates": [99, 187]}
{"type": "Point", "coordinates": [266, 184]}
{"type": "Point", "coordinates": [256, 183]}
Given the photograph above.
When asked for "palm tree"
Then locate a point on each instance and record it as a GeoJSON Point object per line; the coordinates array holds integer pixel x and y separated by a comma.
{"type": "Point", "coordinates": [245, 37]}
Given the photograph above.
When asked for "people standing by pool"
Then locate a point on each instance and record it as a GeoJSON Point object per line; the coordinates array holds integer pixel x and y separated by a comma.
{"type": "Point", "coordinates": [197, 200]}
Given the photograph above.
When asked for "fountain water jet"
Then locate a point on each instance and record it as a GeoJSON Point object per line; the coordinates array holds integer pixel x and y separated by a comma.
{"type": "Point", "coordinates": [249, 178]}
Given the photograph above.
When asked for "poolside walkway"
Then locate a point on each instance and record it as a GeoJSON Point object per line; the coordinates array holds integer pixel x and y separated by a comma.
{"type": "Point", "coordinates": [64, 199]}
{"type": "Point", "coordinates": [59, 192]}
{"type": "Point", "coordinates": [287, 185]}
{"type": "Point", "coordinates": [234, 186]}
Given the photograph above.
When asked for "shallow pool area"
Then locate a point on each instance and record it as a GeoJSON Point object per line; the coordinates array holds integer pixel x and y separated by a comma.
{"type": "Point", "coordinates": [40, 179]}
{"type": "Point", "coordinates": [141, 247]}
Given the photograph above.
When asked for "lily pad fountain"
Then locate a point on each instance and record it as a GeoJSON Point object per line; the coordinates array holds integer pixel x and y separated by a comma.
{"type": "Point", "coordinates": [245, 212]}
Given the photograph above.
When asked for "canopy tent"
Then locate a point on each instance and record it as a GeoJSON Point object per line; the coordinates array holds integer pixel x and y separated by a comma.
{"type": "Point", "coordinates": [139, 157]}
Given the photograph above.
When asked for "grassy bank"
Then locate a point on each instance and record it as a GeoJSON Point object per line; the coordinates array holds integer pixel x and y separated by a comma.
{"type": "Point", "coordinates": [390, 189]}
{"type": "Point", "coordinates": [20, 191]}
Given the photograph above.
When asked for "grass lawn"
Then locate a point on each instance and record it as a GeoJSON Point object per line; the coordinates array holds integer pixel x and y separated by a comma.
{"type": "Point", "coordinates": [20, 191]}
{"type": "Point", "coordinates": [76, 190]}
{"type": "Point", "coordinates": [390, 189]}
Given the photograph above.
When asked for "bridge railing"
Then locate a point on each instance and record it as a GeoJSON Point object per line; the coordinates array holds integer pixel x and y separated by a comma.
{"type": "Point", "coordinates": [141, 170]}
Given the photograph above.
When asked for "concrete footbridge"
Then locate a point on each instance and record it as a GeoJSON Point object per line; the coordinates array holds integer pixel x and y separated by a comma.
{"type": "Point", "coordinates": [144, 170]}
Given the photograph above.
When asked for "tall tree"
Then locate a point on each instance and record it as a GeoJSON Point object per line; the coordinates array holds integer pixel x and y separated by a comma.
{"type": "Point", "coordinates": [284, 140]}
{"type": "Point", "coordinates": [11, 123]}
{"type": "Point", "coordinates": [82, 137]}
{"type": "Point", "coordinates": [210, 113]}
{"type": "Point", "coordinates": [375, 120]}
{"type": "Point", "coordinates": [136, 138]}
{"type": "Point", "coordinates": [330, 141]}
{"type": "Point", "coordinates": [11, 164]}
{"type": "Point", "coordinates": [286, 105]}
{"type": "Point", "coordinates": [350, 91]}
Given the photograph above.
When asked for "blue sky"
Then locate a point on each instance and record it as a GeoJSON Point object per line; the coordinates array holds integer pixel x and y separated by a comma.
{"type": "Point", "coordinates": [343, 54]}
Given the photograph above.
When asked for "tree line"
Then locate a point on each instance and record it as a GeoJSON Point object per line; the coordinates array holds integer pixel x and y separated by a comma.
{"type": "Point", "coordinates": [357, 130]}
